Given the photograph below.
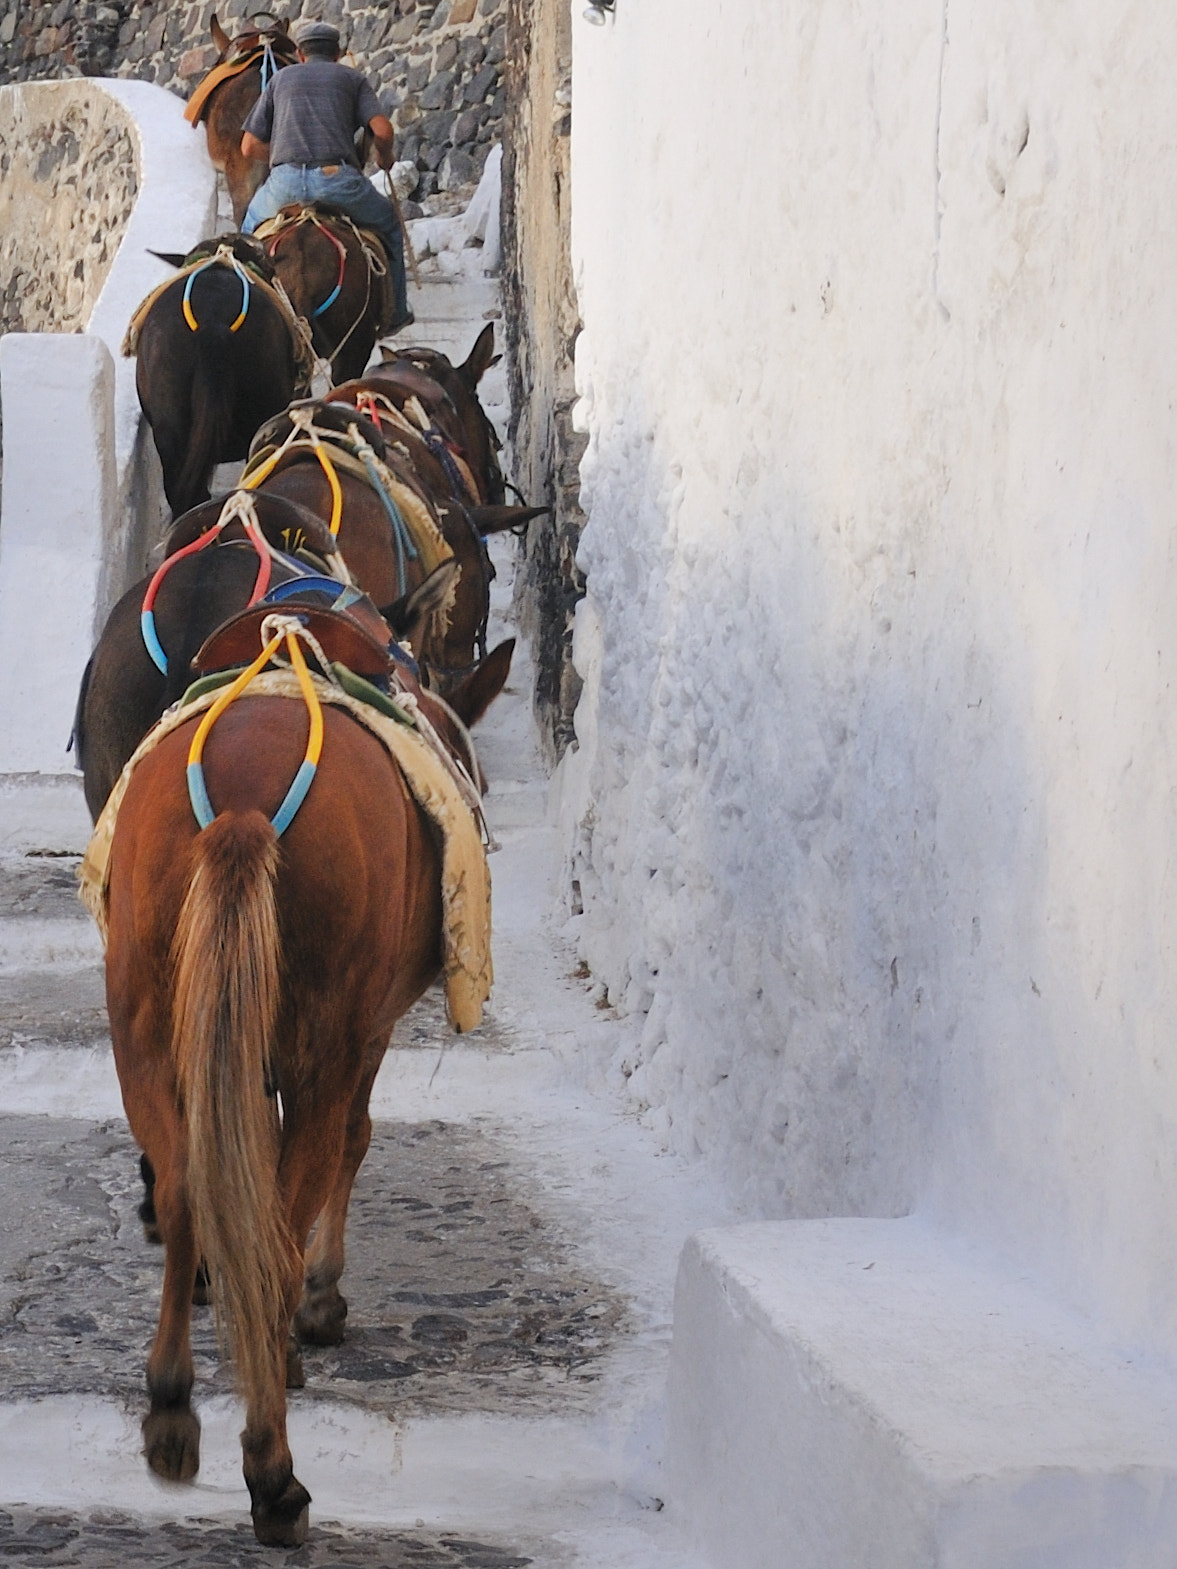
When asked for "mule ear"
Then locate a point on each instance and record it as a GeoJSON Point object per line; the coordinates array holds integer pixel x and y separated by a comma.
{"type": "Point", "coordinates": [471, 698]}
{"type": "Point", "coordinates": [494, 520]}
{"type": "Point", "coordinates": [480, 358]}
{"type": "Point", "coordinates": [220, 36]}
{"type": "Point", "coordinates": [407, 617]}
{"type": "Point", "coordinates": [173, 258]}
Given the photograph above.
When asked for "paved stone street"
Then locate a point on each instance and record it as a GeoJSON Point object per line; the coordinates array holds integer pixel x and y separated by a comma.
{"type": "Point", "coordinates": [457, 1298]}
{"type": "Point", "coordinates": [108, 1539]}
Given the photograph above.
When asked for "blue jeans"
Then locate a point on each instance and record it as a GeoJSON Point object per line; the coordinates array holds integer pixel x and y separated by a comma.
{"type": "Point", "coordinates": [346, 188]}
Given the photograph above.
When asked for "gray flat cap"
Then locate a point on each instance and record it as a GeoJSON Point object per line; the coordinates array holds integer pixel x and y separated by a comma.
{"type": "Point", "coordinates": [316, 32]}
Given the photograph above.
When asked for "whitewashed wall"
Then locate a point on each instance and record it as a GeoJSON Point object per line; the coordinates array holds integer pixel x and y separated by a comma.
{"type": "Point", "coordinates": [873, 814]}
{"type": "Point", "coordinates": [82, 496]}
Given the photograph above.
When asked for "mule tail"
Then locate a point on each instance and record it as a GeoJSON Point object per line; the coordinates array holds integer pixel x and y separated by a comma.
{"type": "Point", "coordinates": [226, 957]}
{"type": "Point", "coordinates": [214, 388]}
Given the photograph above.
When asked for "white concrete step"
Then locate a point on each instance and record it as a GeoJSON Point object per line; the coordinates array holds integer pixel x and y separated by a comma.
{"type": "Point", "coordinates": [543, 1485]}
{"type": "Point", "coordinates": [866, 1392]}
{"type": "Point", "coordinates": [48, 942]}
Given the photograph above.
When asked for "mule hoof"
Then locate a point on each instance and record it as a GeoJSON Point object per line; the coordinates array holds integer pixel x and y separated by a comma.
{"type": "Point", "coordinates": [319, 1322]}
{"type": "Point", "coordinates": [295, 1377]}
{"type": "Point", "coordinates": [284, 1522]}
{"type": "Point", "coordinates": [171, 1443]}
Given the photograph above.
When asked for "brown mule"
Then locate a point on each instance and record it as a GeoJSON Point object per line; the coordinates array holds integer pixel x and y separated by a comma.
{"type": "Point", "coordinates": [456, 638]}
{"type": "Point", "coordinates": [336, 279]}
{"type": "Point", "coordinates": [224, 97]}
{"type": "Point", "coordinates": [252, 985]}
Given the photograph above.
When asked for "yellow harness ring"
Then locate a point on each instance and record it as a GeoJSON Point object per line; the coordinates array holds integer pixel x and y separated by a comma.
{"type": "Point", "coordinates": [251, 481]}
{"type": "Point", "coordinates": [296, 795]}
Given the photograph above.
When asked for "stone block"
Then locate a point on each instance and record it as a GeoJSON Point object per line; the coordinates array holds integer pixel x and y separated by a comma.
{"type": "Point", "coordinates": [457, 169]}
{"type": "Point", "coordinates": [437, 94]}
{"type": "Point", "coordinates": [855, 1392]}
{"type": "Point", "coordinates": [467, 125]}
{"type": "Point", "coordinates": [435, 128]}
{"type": "Point", "coordinates": [462, 12]}
{"type": "Point", "coordinates": [480, 84]}
{"type": "Point", "coordinates": [195, 62]}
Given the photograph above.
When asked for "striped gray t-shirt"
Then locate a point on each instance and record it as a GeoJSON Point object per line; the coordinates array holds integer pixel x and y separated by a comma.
{"type": "Point", "coordinates": [309, 113]}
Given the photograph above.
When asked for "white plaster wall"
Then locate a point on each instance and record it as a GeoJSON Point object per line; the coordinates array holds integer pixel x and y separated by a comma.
{"type": "Point", "coordinates": [174, 208]}
{"type": "Point", "coordinates": [873, 812]}
{"type": "Point", "coordinates": [82, 499]}
{"type": "Point", "coordinates": [52, 541]}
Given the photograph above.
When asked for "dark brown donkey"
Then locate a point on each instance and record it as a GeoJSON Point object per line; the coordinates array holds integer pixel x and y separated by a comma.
{"type": "Point", "coordinates": [449, 394]}
{"type": "Point", "coordinates": [337, 279]}
{"type": "Point", "coordinates": [218, 353]}
{"type": "Point", "coordinates": [429, 413]}
{"type": "Point", "coordinates": [229, 91]}
{"type": "Point", "coordinates": [252, 984]}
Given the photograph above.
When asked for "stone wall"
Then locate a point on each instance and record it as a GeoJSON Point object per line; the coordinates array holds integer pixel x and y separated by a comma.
{"type": "Point", "coordinates": [539, 308]}
{"type": "Point", "coordinates": [68, 177]}
{"type": "Point", "coordinates": [436, 64]}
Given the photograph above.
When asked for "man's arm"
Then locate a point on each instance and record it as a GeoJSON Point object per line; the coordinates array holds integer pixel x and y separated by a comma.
{"type": "Point", "coordinates": [381, 128]}
{"type": "Point", "coordinates": [255, 149]}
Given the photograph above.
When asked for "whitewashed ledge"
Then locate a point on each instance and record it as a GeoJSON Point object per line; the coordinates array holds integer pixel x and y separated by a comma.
{"type": "Point", "coordinates": [856, 1393]}
{"type": "Point", "coordinates": [82, 500]}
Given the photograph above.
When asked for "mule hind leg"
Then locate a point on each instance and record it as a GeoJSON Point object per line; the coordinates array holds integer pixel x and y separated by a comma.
{"type": "Point", "coordinates": [322, 1312]}
{"type": "Point", "coordinates": [171, 1429]}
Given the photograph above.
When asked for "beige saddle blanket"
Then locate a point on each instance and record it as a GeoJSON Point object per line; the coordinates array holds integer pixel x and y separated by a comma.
{"type": "Point", "coordinates": [465, 876]}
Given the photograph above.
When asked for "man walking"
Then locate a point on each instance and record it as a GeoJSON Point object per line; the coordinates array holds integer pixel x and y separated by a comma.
{"type": "Point", "coordinates": [304, 126]}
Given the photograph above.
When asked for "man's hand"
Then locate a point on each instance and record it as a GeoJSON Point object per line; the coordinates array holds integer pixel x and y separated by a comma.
{"type": "Point", "coordinates": [381, 129]}
{"type": "Point", "coordinates": [252, 148]}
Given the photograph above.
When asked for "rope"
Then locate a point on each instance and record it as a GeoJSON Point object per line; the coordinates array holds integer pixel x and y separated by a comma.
{"type": "Point", "coordinates": [378, 476]}
{"type": "Point", "coordinates": [312, 363]}
{"type": "Point", "coordinates": [302, 422]}
{"type": "Point", "coordinates": [238, 508]}
{"type": "Point", "coordinates": [269, 64]}
{"type": "Point", "coordinates": [407, 701]}
{"type": "Point", "coordinates": [222, 256]}
{"type": "Point", "coordinates": [278, 629]}
{"type": "Point", "coordinates": [373, 266]}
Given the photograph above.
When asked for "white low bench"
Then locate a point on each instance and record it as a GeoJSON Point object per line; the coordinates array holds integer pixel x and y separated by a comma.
{"type": "Point", "coordinates": [867, 1394]}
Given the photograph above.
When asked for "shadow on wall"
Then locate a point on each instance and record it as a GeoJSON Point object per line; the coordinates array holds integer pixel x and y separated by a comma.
{"type": "Point", "coordinates": [766, 827]}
